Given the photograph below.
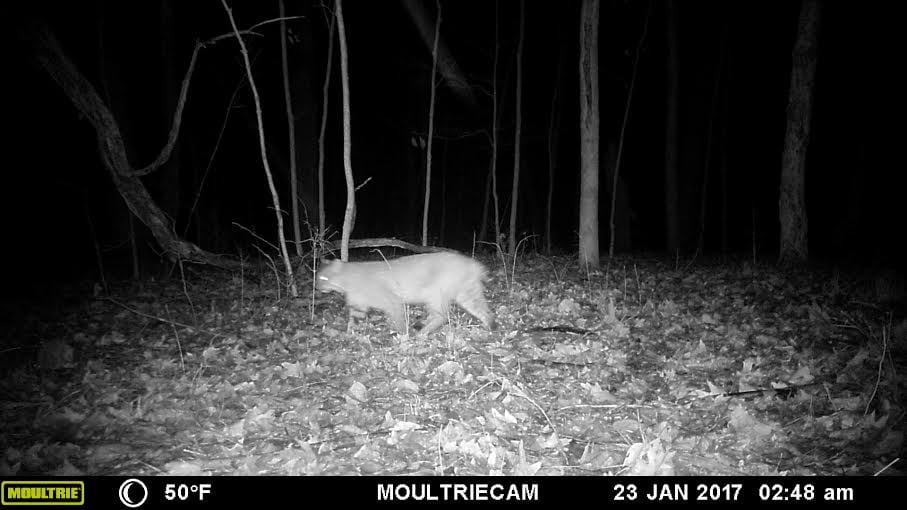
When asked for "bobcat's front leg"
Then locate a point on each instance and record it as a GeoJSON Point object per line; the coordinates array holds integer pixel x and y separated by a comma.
{"type": "Point", "coordinates": [354, 313]}
{"type": "Point", "coordinates": [396, 314]}
{"type": "Point", "coordinates": [437, 317]}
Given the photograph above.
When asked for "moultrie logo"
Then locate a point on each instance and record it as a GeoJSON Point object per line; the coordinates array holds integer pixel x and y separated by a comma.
{"type": "Point", "coordinates": [24, 492]}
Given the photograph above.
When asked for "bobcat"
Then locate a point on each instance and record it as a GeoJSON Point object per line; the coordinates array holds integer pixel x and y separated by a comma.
{"type": "Point", "coordinates": [430, 279]}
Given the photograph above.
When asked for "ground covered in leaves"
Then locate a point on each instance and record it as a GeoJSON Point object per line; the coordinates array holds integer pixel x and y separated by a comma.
{"type": "Point", "coordinates": [641, 368]}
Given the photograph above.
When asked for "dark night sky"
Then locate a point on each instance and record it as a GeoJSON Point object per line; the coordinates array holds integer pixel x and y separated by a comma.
{"type": "Point", "coordinates": [53, 180]}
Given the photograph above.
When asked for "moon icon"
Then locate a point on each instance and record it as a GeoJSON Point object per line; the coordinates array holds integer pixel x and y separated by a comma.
{"type": "Point", "coordinates": [124, 493]}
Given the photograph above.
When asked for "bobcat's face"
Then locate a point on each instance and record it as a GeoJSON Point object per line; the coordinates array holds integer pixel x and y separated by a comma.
{"type": "Point", "coordinates": [328, 278]}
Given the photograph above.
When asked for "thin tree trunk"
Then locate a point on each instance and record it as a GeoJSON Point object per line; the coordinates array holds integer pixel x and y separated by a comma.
{"type": "Point", "coordinates": [589, 134]}
{"type": "Point", "coordinates": [494, 132]}
{"type": "Point", "coordinates": [324, 120]}
{"type": "Point", "coordinates": [347, 141]}
{"type": "Point", "coordinates": [170, 174]}
{"type": "Point", "coordinates": [792, 197]}
{"type": "Point", "coordinates": [672, 105]}
{"type": "Point", "coordinates": [518, 136]}
{"type": "Point", "coordinates": [623, 126]}
{"type": "Point", "coordinates": [431, 126]}
{"type": "Point", "coordinates": [291, 130]}
{"type": "Point", "coordinates": [723, 152]}
{"type": "Point", "coordinates": [264, 157]}
{"type": "Point", "coordinates": [442, 238]}
{"type": "Point", "coordinates": [709, 136]}
{"type": "Point", "coordinates": [483, 225]}
{"type": "Point", "coordinates": [124, 225]}
{"type": "Point", "coordinates": [553, 125]}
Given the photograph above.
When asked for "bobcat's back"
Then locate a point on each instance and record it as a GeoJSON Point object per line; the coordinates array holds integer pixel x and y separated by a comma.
{"type": "Point", "coordinates": [430, 279]}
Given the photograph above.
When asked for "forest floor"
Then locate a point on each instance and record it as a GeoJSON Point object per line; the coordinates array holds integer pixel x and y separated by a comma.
{"type": "Point", "coordinates": [639, 368]}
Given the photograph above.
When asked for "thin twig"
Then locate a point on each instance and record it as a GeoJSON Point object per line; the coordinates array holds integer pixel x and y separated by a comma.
{"type": "Point", "coordinates": [159, 319]}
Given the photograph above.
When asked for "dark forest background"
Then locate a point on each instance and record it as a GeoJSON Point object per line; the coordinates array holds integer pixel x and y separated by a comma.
{"type": "Point", "coordinates": [58, 202]}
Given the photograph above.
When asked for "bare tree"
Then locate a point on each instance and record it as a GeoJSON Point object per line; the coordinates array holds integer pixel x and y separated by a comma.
{"type": "Point", "coordinates": [291, 130]}
{"type": "Point", "coordinates": [494, 130]}
{"type": "Point", "coordinates": [431, 127]}
{"type": "Point", "coordinates": [709, 136]}
{"type": "Point", "coordinates": [589, 134]}
{"type": "Point", "coordinates": [672, 105]}
{"type": "Point", "coordinates": [623, 127]}
{"type": "Point", "coordinates": [792, 197]}
{"type": "Point", "coordinates": [112, 150]}
{"type": "Point", "coordinates": [515, 188]}
{"type": "Point", "coordinates": [553, 128]}
{"type": "Point", "coordinates": [324, 119]}
{"type": "Point", "coordinates": [264, 156]}
{"type": "Point", "coordinates": [350, 212]}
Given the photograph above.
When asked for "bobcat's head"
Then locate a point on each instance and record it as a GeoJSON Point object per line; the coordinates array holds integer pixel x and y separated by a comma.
{"type": "Point", "coordinates": [327, 278]}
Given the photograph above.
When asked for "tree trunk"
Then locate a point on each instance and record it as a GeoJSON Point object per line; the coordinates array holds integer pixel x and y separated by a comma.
{"type": "Point", "coordinates": [553, 130]}
{"type": "Point", "coordinates": [431, 126]}
{"type": "Point", "coordinates": [709, 137]}
{"type": "Point", "coordinates": [169, 176]}
{"type": "Point", "coordinates": [494, 133]}
{"type": "Point", "coordinates": [623, 129]}
{"type": "Point", "coordinates": [515, 188]}
{"type": "Point", "coordinates": [350, 212]}
{"type": "Point", "coordinates": [324, 119]}
{"type": "Point", "coordinates": [291, 130]}
{"type": "Point", "coordinates": [672, 105]}
{"type": "Point", "coordinates": [114, 97]}
{"type": "Point", "coordinates": [282, 245]}
{"type": "Point", "coordinates": [792, 197]}
{"type": "Point", "coordinates": [589, 134]}
{"type": "Point", "coordinates": [112, 150]}
{"type": "Point", "coordinates": [442, 235]}
{"type": "Point", "coordinates": [725, 116]}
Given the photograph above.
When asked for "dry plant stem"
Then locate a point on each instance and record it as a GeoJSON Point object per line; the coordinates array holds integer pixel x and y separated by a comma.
{"type": "Point", "coordinates": [515, 253]}
{"type": "Point", "coordinates": [242, 285]}
{"type": "Point", "coordinates": [179, 344]}
{"type": "Point", "coordinates": [274, 269]}
{"type": "Point", "coordinates": [895, 461]}
{"type": "Point", "coordinates": [520, 393]}
{"type": "Point", "coordinates": [256, 236]}
{"type": "Point", "coordinates": [186, 289]}
{"type": "Point", "coordinates": [440, 469]}
{"type": "Point", "coordinates": [312, 303]}
{"type": "Point", "coordinates": [220, 134]}
{"type": "Point", "coordinates": [554, 270]}
{"type": "Point", "coordinates": [161, 319]}
{"type": "Point", "coordinates": [886, 334]}
{"type": "Point", "coordinates": [99, 259]}
{"type": "Point", "coordinates": [264, 157]}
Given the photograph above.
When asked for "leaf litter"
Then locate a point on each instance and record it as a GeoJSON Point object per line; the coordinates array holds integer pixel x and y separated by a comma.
{"type": "Point", "coordinates": [638, 368]}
